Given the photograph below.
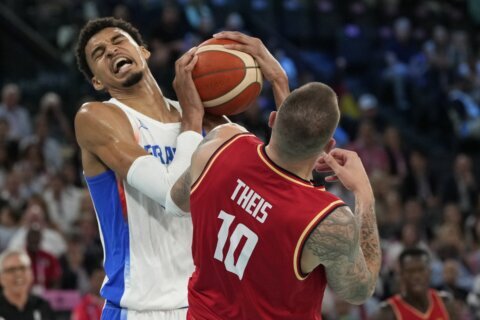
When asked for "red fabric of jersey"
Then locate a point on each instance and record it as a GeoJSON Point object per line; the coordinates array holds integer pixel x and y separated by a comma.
{"type": "Point", "coordinates": [251, 219]}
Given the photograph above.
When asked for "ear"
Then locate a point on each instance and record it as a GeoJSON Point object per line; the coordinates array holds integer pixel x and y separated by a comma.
{"type": "Point", "coordinates": [145, 52]}
{"type": "Point", "coordinates": [97, 84]}
{"type": "Point", "coordinates": [330, 145]}
{"type": "Point", "coordinates": [271, 118]}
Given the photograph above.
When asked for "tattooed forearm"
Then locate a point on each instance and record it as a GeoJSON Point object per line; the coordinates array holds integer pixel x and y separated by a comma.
{"type": "Point", "coordinates": [369, 240]}
{"type": "Point", "coordinates": [181, 191]}
{"type": "Point", "coordinates": [336, 242]}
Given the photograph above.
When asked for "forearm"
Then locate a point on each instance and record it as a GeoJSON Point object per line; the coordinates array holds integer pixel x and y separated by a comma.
{"type": "Point", "coordinates": [369, 239]}
{"type": "Point", "coordinates": [178, 198]}
{"type": "Point", "coordinates": [153, 179]}
{"type": "Point", "coordinates": [192, 121]}
{"type": "Point", "coordinates": [280, 90]}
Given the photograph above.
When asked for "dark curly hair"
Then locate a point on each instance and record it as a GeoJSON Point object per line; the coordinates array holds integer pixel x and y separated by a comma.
{"type": "Point", "coordinates": [93, 27]}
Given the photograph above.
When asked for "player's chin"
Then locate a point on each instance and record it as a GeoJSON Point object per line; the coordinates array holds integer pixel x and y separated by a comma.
{"type": "Point", "coordinates": [132, 79]}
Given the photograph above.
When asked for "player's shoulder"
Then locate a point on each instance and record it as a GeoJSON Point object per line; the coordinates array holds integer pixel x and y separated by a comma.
{"type": "Point", "coordinates": [228, 130]}
{"type": "Point", "coordinates": [96, 119]}
{"type": "Point", "coordinates": [96, 112]}
{"type": "Point", "coordinates": [96, 109]}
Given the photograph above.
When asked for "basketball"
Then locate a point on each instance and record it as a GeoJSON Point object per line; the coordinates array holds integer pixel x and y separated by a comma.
{"type": "Point", "coordinates": [228, 81]}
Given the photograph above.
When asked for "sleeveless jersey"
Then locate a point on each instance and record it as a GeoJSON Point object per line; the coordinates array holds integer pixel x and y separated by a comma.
{"type": "Point", "coordinates": [147, 254]}
{"type": "Point", "coordinates": [251, 219]}
{"type": "Point", "coordinates": [404, 311]}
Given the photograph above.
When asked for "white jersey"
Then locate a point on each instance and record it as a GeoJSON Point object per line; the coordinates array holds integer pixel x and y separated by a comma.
{"type": "Point", "coordinates": [148, 256]}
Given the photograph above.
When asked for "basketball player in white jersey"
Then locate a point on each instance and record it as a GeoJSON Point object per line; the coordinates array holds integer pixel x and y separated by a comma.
{"type": "Point", "coordinates": [134, 147]}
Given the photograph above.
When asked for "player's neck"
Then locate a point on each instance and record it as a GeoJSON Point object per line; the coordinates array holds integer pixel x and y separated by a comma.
{"type": "Point", "coordinates": [145, 96]}
{"type": "Point", "coordinates": [302, 169]}
{"type": "Point", "coordinates": [421, 303]}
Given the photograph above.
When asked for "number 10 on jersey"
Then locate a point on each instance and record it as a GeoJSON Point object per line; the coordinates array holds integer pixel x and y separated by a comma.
{"type": "Point", "coordinates": [240, 231]}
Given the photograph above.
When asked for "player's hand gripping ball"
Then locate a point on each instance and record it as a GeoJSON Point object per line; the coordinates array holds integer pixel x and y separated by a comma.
{"type": "Point", "coordinates": [228, 81]}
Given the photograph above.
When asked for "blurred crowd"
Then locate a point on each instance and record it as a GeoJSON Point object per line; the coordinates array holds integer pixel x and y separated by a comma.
{"type": "Point", "coordinates": [407, 74]}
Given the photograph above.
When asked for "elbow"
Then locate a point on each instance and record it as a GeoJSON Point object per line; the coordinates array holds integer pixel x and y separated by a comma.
{"type": "Point", "coordinates": [361, 293]}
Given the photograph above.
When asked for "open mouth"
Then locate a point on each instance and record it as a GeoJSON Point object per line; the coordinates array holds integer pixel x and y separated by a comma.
{"type": "Point", "coordinates": [121, 64]}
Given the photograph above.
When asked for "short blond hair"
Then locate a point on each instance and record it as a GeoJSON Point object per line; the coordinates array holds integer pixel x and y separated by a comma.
{"type": "Point", "coordinates": [306, 121]}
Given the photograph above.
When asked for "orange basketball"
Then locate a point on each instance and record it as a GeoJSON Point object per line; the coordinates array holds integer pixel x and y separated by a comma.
{"type": "Point", "coordinates": [228, 81]}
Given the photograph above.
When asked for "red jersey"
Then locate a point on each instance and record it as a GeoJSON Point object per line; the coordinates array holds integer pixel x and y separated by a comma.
{"type": "Point", "coordinates": [251, 219]}
{"type": "Point", "coordinates": [404, 311]}
{"type": "Point", "coordinates": [89, 308]}
{"type": "Point", "coordinates": [46, 269]}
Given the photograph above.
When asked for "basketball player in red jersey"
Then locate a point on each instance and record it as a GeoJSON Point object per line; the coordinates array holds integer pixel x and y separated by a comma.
{"type": "Point", "coordinates": [266, 240]}
{"type": "Point", "coordinates": [416, 300]}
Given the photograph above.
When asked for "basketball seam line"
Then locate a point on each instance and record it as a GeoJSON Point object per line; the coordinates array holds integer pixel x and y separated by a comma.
{"type": "Point", "coordinates": [229, 100]}
{"type": "Point", "coordinates": [221, 71]}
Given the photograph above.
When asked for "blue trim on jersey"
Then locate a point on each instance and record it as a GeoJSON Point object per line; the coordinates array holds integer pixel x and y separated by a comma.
{"type": "Point", "coordinates": [114, 230]}
{"type": "Point", "coordinates": [112, 312]}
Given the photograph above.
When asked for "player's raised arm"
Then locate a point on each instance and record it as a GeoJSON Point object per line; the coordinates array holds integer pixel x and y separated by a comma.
{"type": "Point", "coordinates": [271, 68]}
{"type": "Point", "coordinates": [347, 244]}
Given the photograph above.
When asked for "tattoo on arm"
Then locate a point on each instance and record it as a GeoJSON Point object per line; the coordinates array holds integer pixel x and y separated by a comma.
{"type": "Point", "coordinates": [336, 243]}
{"type": "Point", "coordinates": [181, 191]}
{"type": "Point", "coordinates": [369, 239]}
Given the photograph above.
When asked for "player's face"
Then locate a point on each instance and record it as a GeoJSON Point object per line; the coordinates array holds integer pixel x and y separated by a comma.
{"type": "Point", "coordinates": [415, 275]}
{"type": "Point", "coordinates": [115, 59]}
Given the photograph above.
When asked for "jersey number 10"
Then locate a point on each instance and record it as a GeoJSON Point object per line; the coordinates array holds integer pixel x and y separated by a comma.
{"type": "Point", "coordinates": [237, 267]}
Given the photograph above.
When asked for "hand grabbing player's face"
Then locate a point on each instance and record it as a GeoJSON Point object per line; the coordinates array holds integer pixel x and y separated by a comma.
{"type": "Point", "coordinates": [115, 59]}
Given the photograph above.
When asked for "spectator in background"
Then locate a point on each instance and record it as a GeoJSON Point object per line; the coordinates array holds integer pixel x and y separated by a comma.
{"type": "Point", "coordinates": [58, 125]}
{"type": "Point", "coordinates": [167, 43]}
{"type": "Point", "coordinates": [437, 51]}
{"type": "Point", "coordinates": [17, 116]}
{"type": "Point", "coordinates": [5, 164]}
{"type": "Point", "coordinates": [451, 228]}
{"type": "Point", "coordinates": [451, 273]}
{"type": "Point", "coordinates": [74, 274]}
{"type": "Point", "coordinates": [369, 110]}
{"type": "Point", "coordinates": [46, 268]}
{"type": "Point", "coordinates": [91, 305]}
{"type": "Point", "coordinates": [419, 182]}
{"type": "Point", "coordinates": [51, 153]}
{"type": "Point", "coordinates": [398, 54]}
{"type": "Point", "coordinates": [10, 145]}
{"type": "Point", "coordinates": [51, 240]}
{"type": "Point", "coordinates": [234, 22]}
{"type": "Point", "coordinates": [198, 14]}
{"type": "Point", "coordinates": [14, 191]}
{"type": "Point", "coordinates": [397, 156]}
{"type": "Point", "coordinates": [464, 110]}
{"type": "Point", "coordinates": [32, 168]}
{"type": "Point", "coordinates": [87, 228]}
{"type": "Point", "coordinates": [393, 215]}
{"type": "Point", "coordinates": [170, 30]}
{"type": "Point", "coordinates": [8, 224]}
{"type": "Point", "coordinates": [409, 238]}
{"type": "Point", "coordinates": [461, 186]}
{"type": "Point", "coordinates": [16, 301]}
{"type": "Point", "coordinates": [63, 202]}
{"type": "Point", "coordinates": [369, 148]}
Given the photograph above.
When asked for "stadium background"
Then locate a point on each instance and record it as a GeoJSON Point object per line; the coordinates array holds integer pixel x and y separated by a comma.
{"type": "Point", "coordinates": [407, 74]}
